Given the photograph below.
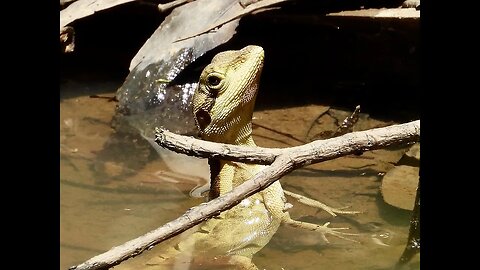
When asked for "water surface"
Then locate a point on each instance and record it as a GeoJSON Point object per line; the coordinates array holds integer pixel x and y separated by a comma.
{"type": "Point", "coordinates": [115, 187]}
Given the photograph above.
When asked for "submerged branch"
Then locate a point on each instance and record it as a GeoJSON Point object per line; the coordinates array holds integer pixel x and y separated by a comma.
{"type": "Point", "coordinates": [282, 162]}
{"type": "Point", "coordinates": [279, 132]}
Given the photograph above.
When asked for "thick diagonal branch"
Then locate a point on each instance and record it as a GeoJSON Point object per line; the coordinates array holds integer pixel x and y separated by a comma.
{"type": "Point", "coordinates": [282, 162]}
{"type": "Point", "coordinates": [316, 151]}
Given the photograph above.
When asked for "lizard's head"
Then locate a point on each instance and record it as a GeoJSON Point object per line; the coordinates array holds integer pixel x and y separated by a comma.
{"type": "Point", "coordinates": [225, 96]}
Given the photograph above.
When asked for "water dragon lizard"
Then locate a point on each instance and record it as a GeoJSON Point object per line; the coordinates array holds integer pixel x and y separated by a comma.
{"type": "Point", "coordinates": [223, 106]}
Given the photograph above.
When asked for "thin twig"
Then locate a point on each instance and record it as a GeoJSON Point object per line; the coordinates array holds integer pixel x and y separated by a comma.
{"type": "Point", "coordinates": [282, 162]}
{"type": "Point", "coordinates": [348, 123]}
{"type": "Point", "coordinates": [288, 135]}
{"type": "Point", "coordinates": [315, 121]}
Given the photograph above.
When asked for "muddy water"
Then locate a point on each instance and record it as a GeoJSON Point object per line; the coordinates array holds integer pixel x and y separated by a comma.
{"type": "Point", "coordinates": [115, 187]}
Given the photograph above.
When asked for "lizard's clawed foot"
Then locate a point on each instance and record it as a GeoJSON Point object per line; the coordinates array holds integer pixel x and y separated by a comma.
{"type": "Point", "coordinates": [314, 203]}
{"type": "Point", "coordinates": [322, 229]}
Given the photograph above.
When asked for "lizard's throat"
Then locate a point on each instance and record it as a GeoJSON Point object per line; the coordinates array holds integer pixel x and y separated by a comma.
{"type": "Point", "coordinates": [237, 131]}
{"type": "Point", "coordinates": [244, 136]}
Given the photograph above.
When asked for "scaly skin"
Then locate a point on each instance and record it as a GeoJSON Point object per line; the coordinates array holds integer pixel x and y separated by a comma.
{"type": "Point", "coordinates": [223, 106]}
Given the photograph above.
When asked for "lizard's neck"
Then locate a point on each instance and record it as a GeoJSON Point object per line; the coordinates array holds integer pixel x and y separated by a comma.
{"type": "Point", "coordinates": [232, 130]}
{"type": "Point", "coordinates": [238, 134]}
{"type": "Point", "coordinates": [244, 136]}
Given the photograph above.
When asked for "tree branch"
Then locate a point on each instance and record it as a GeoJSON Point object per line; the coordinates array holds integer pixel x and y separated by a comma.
{"type": "Point", "coordinates": [282, 162]}
{"type": "Point", "coordinates": [316, 151]}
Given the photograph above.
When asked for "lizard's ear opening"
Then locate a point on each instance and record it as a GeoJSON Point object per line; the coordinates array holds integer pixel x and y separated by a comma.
{"type": "Point", "coordinates": [203, 119]}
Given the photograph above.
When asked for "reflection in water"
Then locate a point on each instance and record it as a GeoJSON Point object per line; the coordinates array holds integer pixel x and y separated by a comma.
{"type": "Point", "coordinates": [114, 188]}
{"type": "Point", "coordinates": [231, 239]}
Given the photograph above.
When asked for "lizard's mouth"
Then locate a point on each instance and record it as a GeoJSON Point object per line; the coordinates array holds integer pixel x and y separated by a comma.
{"type": "Point", "coordinates": [203, 119]}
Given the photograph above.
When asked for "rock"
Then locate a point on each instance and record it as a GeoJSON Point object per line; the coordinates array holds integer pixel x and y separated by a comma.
{"type": "Point", "coordinates": [414, 151]}
{"type": "Point", "coordinates": [399, 186]}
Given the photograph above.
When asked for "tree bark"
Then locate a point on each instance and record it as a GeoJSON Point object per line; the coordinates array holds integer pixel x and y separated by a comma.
{"type": "Point", "coordinates": [84, 8]}
{"type": "Point", "coordinates": [314, 152]}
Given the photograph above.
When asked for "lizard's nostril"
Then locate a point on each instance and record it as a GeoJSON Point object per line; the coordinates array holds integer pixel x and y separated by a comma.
{"type": "Point", "coordinates": [203, 119]}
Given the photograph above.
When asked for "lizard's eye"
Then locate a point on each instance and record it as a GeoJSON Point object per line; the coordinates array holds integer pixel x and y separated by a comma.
{"type": "Point", "coordinates": [214, 81]}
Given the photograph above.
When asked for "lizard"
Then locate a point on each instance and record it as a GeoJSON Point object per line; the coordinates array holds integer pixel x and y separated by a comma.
{"type": "Point", "coordinates": [223, 105]}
